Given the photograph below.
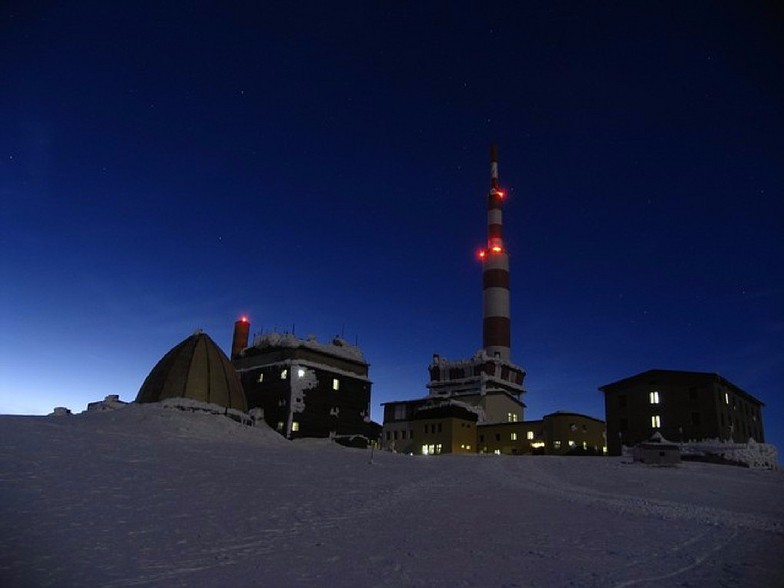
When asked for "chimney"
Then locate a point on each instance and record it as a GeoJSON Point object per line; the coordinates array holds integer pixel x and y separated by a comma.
{"type": "Point", "coordinates": [240, 339]}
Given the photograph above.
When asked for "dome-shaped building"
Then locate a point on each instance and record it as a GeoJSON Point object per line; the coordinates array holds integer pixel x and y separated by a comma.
{"type": "Point", "coordinates": [197, 369]}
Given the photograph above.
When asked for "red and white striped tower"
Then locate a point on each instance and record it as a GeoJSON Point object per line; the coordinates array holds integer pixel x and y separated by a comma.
{"type": "Point", "coordinates": [496, 320]}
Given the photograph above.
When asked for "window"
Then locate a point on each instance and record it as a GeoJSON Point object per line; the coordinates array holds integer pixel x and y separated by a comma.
{"type": "Point", "coordinates": [529, 435]}
{"type": "Point", "coordinates": [513, 436]}
{"type": "Point", "coordinates": [498, 436]}
{"type": "Point", "coordinates": [571, 443]}
{"type": "Point", "coordinates": [439, 427]}
{"type": "Point", "coordinates": [655, 421]}
{"type": "Point", "coordinates": [284, 374]}
{"type": "Point", "coordinates": [295, 426]}
{"type": "Point", "coordinates": [511, 417]}
{"type": "Point", "coordinates": [557, 444]}
{"type": "Point", "coordinates": [653, 397]}
{"type": "Point", "coordinates": [388, 435]}
{"type": "Point", "coordinates": [335, 384]}
{"type": "Point", "coordinates": [261, 377]}
{"type": "Point", "coordinates": [300, 372]}
{"type": "Point", "coordinates": [394, 434]}
{"type": "Point", "coordinates": [726, 398]}
{"type": "Point", "coordinates": [481, 438]}
{"type": "Point", "coordinates": [280, 425]}
{"type": "Point", "coordinates": [497, 452]}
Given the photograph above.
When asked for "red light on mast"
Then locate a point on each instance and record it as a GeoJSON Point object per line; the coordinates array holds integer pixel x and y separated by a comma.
{"type": "Point", "coordinates": [482, 254]}
{"type": "Point", "coordinates": [496, 249]}
{"type": "Point", "coordinates": [244, 319]}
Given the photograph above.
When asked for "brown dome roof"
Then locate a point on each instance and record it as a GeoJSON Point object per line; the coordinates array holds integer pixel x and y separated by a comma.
{"type": "Point", "coordinates": [196, 369]}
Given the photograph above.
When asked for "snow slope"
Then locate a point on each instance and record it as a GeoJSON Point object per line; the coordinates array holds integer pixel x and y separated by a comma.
{"type": "Point", "coordinates": [147, 496]}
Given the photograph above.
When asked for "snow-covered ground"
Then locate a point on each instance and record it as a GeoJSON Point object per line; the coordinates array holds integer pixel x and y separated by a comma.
{"type": "Point", "coordinates": [152, 496]}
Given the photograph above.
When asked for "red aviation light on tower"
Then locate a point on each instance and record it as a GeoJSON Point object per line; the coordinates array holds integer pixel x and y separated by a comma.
{"type": "Point", "coordinates": [496, 249]}
{"type": "Point", "coordinates": [481, 254]}
{"type": "Point", "coordinates": [244, 319]}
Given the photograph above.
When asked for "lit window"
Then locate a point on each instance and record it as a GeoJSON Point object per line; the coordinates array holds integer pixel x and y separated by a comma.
{"type": "Point", "coordinates": [653, 397]}
{"type": "Point", "coordinates": [335, 384]}
{"type": "Point", "coordinates": [431, 449]}
{"type": "Point", "coordinates": [585, 445]}
{"type": "Point", "coordinates": [295, 426]}
{"type": "Point", "coordinates": [261, 377]}
{"type": "Point", "coordinates": [467, 447]}
{"type": "Point", "coordinates": [529, 435]}
{"type": "Point", "coordinates": [514, 436]}
{"type": "Point", "coordinates": [497, 452]}
{"type": "Point", "coordinates": [284, 374]}
{"type": "Point", "coordinates": [300, 372]}
{"type": "Point", "coordinates": [726, 398]}
{"type": "Point", "coordinates": [571, 443]}
{"type": "Point", "coordinates": [655, 421]}
{"type": "Point", "coordinates": [557, 444]}
{"type": "Point", "coordinates": [438, 448]}
{"type": "Point", "coordinates": [511, 417]}
{"type": "Point", "coordinates": [280, 425]}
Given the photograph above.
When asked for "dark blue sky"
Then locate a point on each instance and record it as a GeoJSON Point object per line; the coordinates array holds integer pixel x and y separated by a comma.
{"type": "Point", "coordinates": [169, 166]}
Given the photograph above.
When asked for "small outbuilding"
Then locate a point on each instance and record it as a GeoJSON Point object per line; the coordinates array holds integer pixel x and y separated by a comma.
{"type": "Point", "coordinates": [657, 451]}
{"type": "Point", "coordinates": [196, 368]}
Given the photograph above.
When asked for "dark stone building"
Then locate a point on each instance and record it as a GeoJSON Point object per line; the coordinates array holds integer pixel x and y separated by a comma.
{"type": "Point", "coordinates": [681, 406]}
{"type": "Point", "coordinates": [307, 388]}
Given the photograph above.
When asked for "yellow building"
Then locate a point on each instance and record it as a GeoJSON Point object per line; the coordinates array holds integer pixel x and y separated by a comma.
{"type": "Point", "coordinates": [559, 433]}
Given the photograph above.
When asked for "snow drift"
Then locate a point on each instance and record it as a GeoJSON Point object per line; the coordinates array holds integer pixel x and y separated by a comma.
{"type": "Point", "coordinates": [148, 495]}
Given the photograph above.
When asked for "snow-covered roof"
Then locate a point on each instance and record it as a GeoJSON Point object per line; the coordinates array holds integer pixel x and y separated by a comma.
{"type": "Point", "coordinates": [337, 347]}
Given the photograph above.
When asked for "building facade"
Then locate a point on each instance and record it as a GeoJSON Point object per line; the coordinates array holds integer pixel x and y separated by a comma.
{"type": "Point", "coordinates": [558, 433]}
{"type": "Point", "coordinates": [681, 406]}
{"type": "Point", "coordinates": [307, 388]}
{"type": "Point", "coordinates": [429, 426]}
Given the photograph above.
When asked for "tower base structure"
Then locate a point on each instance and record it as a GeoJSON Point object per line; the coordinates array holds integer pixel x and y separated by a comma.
{"type": "Point", "coordinates": [491, 385]}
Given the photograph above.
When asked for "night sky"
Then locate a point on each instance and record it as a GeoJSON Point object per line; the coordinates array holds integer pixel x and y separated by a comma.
{"type": "Point", "coordinates": [323, 167]}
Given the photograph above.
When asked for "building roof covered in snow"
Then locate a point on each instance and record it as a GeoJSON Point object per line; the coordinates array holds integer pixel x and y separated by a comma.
{"type": "Point", "coordinates": [196, 368]}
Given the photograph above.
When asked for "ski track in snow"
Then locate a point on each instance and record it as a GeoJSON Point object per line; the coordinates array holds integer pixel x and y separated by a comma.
{"type": "Point", "coordinates": [155, 497]}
